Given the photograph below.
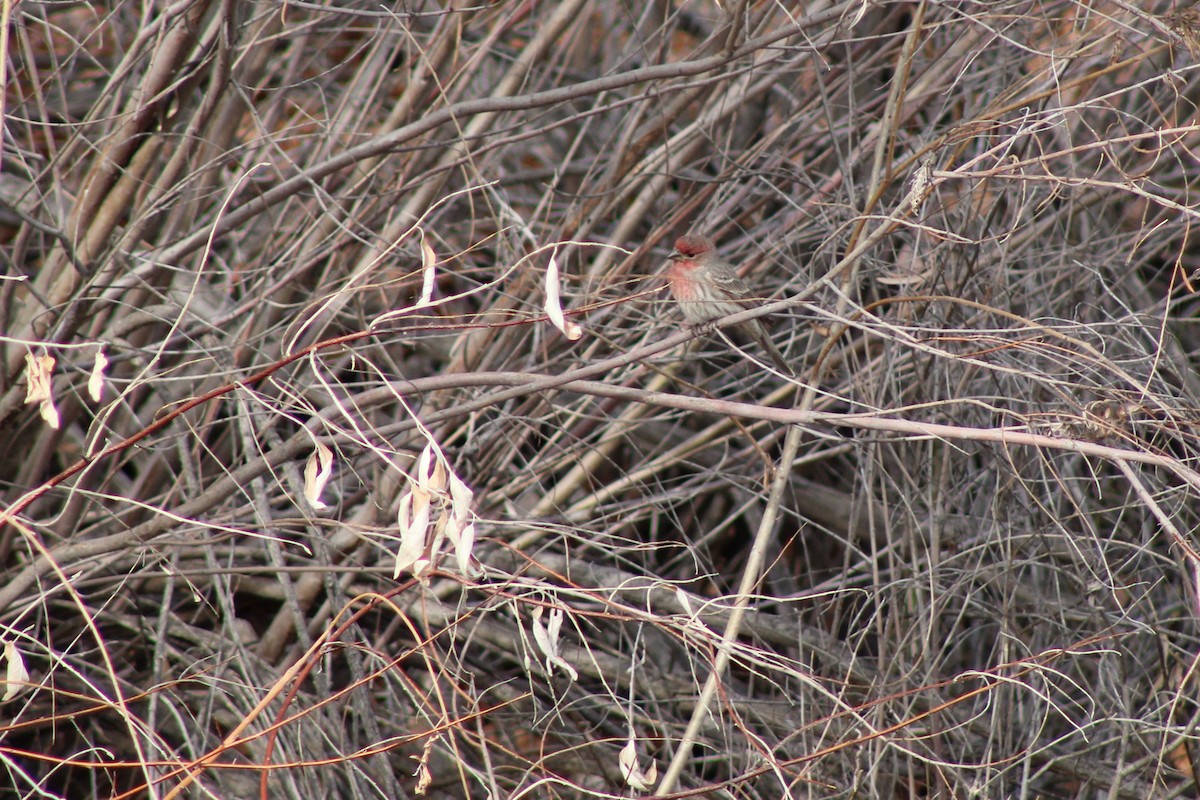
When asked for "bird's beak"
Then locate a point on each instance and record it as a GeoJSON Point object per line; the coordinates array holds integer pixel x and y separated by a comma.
{"type": "Point", "coordinates": [675, 256]}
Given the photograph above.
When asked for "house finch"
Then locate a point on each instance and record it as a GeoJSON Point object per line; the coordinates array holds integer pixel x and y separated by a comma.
{"type": "Point", "coordinates": [708, 288]}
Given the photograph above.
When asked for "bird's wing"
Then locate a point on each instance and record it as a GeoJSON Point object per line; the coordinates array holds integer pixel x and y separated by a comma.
{"type": "Point", "coordinates": [736, 288]}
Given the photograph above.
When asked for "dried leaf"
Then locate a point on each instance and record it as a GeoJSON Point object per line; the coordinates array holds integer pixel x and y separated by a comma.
{"type": "Point", "coordinates": [422, 774]}
{"type": "Point", "coordinates": [38, 387]}
{"type": "Point", "coordinates": [684, 601]}
{"type": "Point", "coordinates": [420, 511]}
{"type": "Point", "coordinates": [546, 637]}
{"type": "Point", "coordinates": [463, 550]}
{"type": "Point", "coordinates": [96, 379]}
{"type": "Point", "coordinates": [561, 663]}
{"type": "Point", "coordinates": [627, 759]}
{"type": "Point", "coordinates": [424, 778]}
{"type": "Point", "coordinates": [421, 569]}
{"type": "Point", "coordinates": [638, 780]}
{"type": "Point", "coordinates": [460, 533]}
{"type": "Point", "coordinates": [460, 497]}
{"type": "Point", "coordinates": [49, 413]}
{"type": "Point", "coordinates": [554, 304]}
{"type": "Point", "coordinates": [413, 521]}
{"type": "Point", "coordinates": [429, 473]}
{"type": "Point", "coordinates": [438, 496]}
{"type": "Point", "coordinates": [650, 776]}
{"type": "Point", "coordinates": [15, 674]}
{"type": "Point", "coordinates": [37, 377]}
{"type": "Point", "coordinates": [317, 470]}
{"type": "Point", "coordinates": [540, 635]}
{"type": "Point", "coordinates": [434, 547]}
{"type": "Point", "coordinates": [428, 272]}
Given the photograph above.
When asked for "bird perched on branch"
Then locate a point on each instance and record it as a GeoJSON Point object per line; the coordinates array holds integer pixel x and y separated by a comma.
{"type": "Point", "coordinates": [708, 288]}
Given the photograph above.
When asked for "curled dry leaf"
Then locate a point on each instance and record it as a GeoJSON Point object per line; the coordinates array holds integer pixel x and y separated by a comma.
{"type": "Point", "coordinates": [428, 271]}
{"type": "Point", "coordinates": [413, 521]}
{"type": "Point", "coordinates": [463, 541]}
{"type": "Point", "coordinates": [554, 304]}
{"type": "Point", "coordinates": [96, 379]}
{"type": "Point", "coordinates": [430, 475]}
{"type": "Point", "coordinates": [436, 495]}
{"type": "Point", "coordinates": [37, 377]}
{"type": "Point", "coordinates": [546, 637]}
{"type": "Point", "coordinates": [317, 470]}
{"type": "Point", "coordinates": [682, 597]}
{"type": "Point", "coordinates": [638, 780]}
{"type": "Point", "coordinates": [15, 674]}
{"type": "Point", "coordinates": [460, 530]}
{"type": "Point", "coordinates": [38, 388]}
{"type": "Point", "coordinates": [422, 774]}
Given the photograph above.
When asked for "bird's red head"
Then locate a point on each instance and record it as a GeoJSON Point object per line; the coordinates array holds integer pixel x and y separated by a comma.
{"type": "Point", "coordinates": [691, 246]}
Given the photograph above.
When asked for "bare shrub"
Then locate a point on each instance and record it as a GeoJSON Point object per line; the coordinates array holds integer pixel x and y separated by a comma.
{"type": "Point", "coordinates": [357, 513]}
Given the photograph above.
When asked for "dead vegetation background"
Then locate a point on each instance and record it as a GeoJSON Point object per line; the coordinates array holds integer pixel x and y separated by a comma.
{"type": "Point", "coordinates": [956, 558]}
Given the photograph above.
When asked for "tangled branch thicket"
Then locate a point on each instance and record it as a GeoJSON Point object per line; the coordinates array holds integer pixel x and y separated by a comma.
{"type": "Point", "coordinates": [956, 557]}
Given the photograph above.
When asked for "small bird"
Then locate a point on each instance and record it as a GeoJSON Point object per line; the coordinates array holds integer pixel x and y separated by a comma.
{"type": "Point", "coordinates": [708, 288]}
